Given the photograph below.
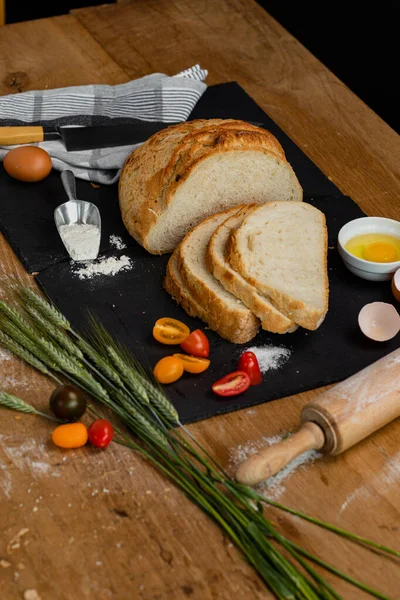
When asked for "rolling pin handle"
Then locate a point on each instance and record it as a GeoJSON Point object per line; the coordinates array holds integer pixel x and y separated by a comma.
{"type": "Point", "coordinates": [270, 460]}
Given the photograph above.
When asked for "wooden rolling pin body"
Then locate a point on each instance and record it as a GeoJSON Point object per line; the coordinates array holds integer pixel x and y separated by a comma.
{"type": "Point", "coordinates": [339, 418]}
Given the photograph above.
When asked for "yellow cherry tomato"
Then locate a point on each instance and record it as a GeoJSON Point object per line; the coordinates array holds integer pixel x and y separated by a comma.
{"type": "Point", "coordinates": [170, 331]}
{"type": "Point", "coordinates": [71, 435]}
{"type": "Point", "coordinates": [168, 369]}
{"type": "Point", "coordinates": [193, 364]}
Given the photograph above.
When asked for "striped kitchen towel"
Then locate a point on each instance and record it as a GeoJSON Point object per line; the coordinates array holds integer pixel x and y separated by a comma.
{"type": "Point", "coordinates": [156, 97]}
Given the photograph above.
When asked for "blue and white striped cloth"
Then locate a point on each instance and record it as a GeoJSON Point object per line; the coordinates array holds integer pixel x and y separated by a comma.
{"type": "Point", "coordinates": [155, 97]}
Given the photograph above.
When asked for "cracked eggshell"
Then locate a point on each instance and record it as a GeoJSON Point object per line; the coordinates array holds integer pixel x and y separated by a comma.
{"type": "Point", "coordinates": [379, 321]}
{"type": "Point", "coordinates": [396, 285]}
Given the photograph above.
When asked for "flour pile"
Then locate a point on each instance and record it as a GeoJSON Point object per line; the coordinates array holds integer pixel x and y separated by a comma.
{"type": "Point", "coordinates": [81, 240]}
{"type": "Point", "coordinates": [270, 358]}
{"type": "Point", "coordinates": [104, 266]}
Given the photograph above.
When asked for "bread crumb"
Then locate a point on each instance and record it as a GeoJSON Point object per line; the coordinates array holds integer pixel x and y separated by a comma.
{"type": "Point", "coordinates": [5, 564]}
{"type": "Point", "coordinates": [15, 542]}
{"type": "Point", "coordinates": [31, 595]}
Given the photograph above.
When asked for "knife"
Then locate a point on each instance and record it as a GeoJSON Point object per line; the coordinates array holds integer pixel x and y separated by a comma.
{"type": "Point", "coordinates": [86, 138]}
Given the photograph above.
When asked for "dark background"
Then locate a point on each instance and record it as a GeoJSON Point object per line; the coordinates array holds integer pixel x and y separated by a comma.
{"type": "Point", "coordinates": [358, 41]}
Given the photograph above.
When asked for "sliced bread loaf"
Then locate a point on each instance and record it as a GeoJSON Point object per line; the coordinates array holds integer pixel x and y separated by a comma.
{"type": "Point", "coordinates": [271, 318]}
{"type": "Point", "coordinates": [281, 248]}
{"type": "Point", "coordinates": [224, 312]}
{"type": "Point", "coordinates": [190, 171]}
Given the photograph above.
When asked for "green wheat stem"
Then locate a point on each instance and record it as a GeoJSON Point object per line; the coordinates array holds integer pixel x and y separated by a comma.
{"type": "Point", "coordinates": [59, 336]}
{"type": "Point", "coordinates": [338, 530]}
{"type": "Point", "coordinates": [335, 571]}
{"type": "Point", "coordinates": [15, 403]}
{"type": "Point", "coordinates": [48, 310]}
{"type": "Point", "coordinates": [24, 354]}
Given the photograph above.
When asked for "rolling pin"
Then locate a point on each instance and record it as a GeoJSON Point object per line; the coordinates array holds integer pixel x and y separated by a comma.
{"type": "Point", "coordinates": [337, 420]}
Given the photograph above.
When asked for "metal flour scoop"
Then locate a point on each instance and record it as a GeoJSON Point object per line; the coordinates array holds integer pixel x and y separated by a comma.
{"type": "Point", "coordinates": [78, 223]}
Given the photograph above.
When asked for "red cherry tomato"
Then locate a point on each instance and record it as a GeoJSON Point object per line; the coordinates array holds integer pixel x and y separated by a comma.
{"type": "Point", "coordinates": [100, 433]}
{"type": "Point", "coordinates": [249, 364]}
{"type": "Point", "coordinates": [233, 384]}
{"type": "Point", "coordinates": [196, 344]}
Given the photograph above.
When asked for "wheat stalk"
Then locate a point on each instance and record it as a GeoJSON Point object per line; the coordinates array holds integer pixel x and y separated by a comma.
{"type": "Point", "coordinates": [99, 361]}
{"type": "Point", "coordinates": [127, 375]}
{"type": "Point", "coordinates": [54, 331]}
{"type": "Point", "coordinates": [14, 403]}
{"type": "Point", "coordinates": [49, 311]}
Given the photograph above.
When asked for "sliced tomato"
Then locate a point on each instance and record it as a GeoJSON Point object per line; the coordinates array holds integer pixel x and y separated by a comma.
{"type": "Point", "coordinates": [193, 364]}
{"type": "Point", "coordinates": [233, 384]}
{"type": "Point", "coordinates": [197, 344]}
{"type": "Point", "coordinates": [168, 369]}
{"type": "Point", "coordinates": [249, 364]}
{"type": "Point", "coordinates": [170, 331]}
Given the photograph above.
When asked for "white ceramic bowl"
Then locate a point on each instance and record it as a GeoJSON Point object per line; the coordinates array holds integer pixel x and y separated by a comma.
{"type": "Point", "coordinates": [364, 268]}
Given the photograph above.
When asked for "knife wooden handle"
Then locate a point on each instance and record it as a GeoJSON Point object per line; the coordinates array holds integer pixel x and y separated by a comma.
{"type": "Point", "coordinates": [21, 135]}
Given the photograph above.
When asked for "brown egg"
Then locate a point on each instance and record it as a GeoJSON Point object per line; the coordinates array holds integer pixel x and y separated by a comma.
{"type": "Point", "coordinates": [27, 163]}
{"type": "Point", "coordinates": [396, 285]}
{"type": "Point", "coordinates": [379, 321]}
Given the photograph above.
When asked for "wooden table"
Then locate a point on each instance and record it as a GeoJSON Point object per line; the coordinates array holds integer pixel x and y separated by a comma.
{"type": "Point", "coordinates": [79, 525]}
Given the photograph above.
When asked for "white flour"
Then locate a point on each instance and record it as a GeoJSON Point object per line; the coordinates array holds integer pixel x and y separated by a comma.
{"type": "Point", "coordinates": [272, 487]}
{"type": "Point", "coordinates": [82, 241]}
{"type": "Point", "coordinates": [104, 266]}
{"type": "Point", "coordinates": [270, 358]}
{"type": "Point", "coordinates": [4, 355]}
{"type": "Point", "coordinates": [117, 242]}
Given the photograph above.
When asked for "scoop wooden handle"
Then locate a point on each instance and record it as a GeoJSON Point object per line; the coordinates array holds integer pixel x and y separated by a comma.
{"type": "Point", "coordinates": [21, 135]}
{"type": "Point", "coordinates": [270, 460]}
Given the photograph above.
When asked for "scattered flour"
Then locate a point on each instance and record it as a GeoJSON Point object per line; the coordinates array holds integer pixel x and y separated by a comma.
{"type": "Point", "coordinates": [82, 241]}
{"type": "Point", "coordinates": [104, 266]}
{"type": "Point", "coordinates": [117, 242]}
{"type": "Point", "coordinates": [270, 358]}
{"type": "Point", "coordinates": [272, 487]}
{"type": "Point", "coordinates": [28, 454]}
{"type": "Point", "coordinates": [4, 355]}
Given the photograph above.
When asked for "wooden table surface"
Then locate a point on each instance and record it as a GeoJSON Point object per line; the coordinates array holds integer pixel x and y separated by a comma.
{"type": "Point", "coordinates": [84, 525]}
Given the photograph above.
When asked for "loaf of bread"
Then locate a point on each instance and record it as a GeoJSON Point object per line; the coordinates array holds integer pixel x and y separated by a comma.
{"type": "Point", "coordinates": [281, 249]}
{"type": "Point", "coordinates": [187, 172]}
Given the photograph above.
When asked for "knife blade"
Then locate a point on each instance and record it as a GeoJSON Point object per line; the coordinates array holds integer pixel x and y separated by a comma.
{"type": "Point", "coordinates": [86, 138]}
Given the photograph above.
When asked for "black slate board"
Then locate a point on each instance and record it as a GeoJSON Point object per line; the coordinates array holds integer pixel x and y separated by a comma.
{"type": "Point", "coordinates": [129, 303]}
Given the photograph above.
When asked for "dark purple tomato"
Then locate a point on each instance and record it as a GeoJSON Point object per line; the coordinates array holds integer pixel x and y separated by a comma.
{"type": "Point", "coordinates": [68, 403]}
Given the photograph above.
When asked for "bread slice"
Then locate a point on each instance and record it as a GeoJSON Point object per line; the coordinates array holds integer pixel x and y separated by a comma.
{"type": "Point", "coordinates": [271, 318]}
{"type": "Point", "coordinates": [281, 248]}
{"type": "Point", "coordinates": [187, 172]}
{"type": "Point", "coordinates": [224, 313]}
{"type": "Point", "coordinates": [228, 325]}
{"type": "Point", "coordinates": [176, 288]}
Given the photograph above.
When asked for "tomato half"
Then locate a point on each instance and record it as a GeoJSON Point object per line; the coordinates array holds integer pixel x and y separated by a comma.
{"type": "Point", "coordinates": [100, 433]}
{"type": "Point", "coordinates": [170, 331]}
{"type": "Point", "coordinates": [168, 369]}
{"type": "Point", "coordinates": [249, 364]}
{"type": "Point", "coordinates": [233, 384]}
{"type": "Point", "coordinates": [197, 344]}
{"type": "Point", "coordinates": [193, 364]}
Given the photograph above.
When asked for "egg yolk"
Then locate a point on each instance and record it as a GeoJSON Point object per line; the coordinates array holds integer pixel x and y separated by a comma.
{"type": "Point", "coordinates": [380, 252]}
{"type": "Point", "coordinates": [375, 247]}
